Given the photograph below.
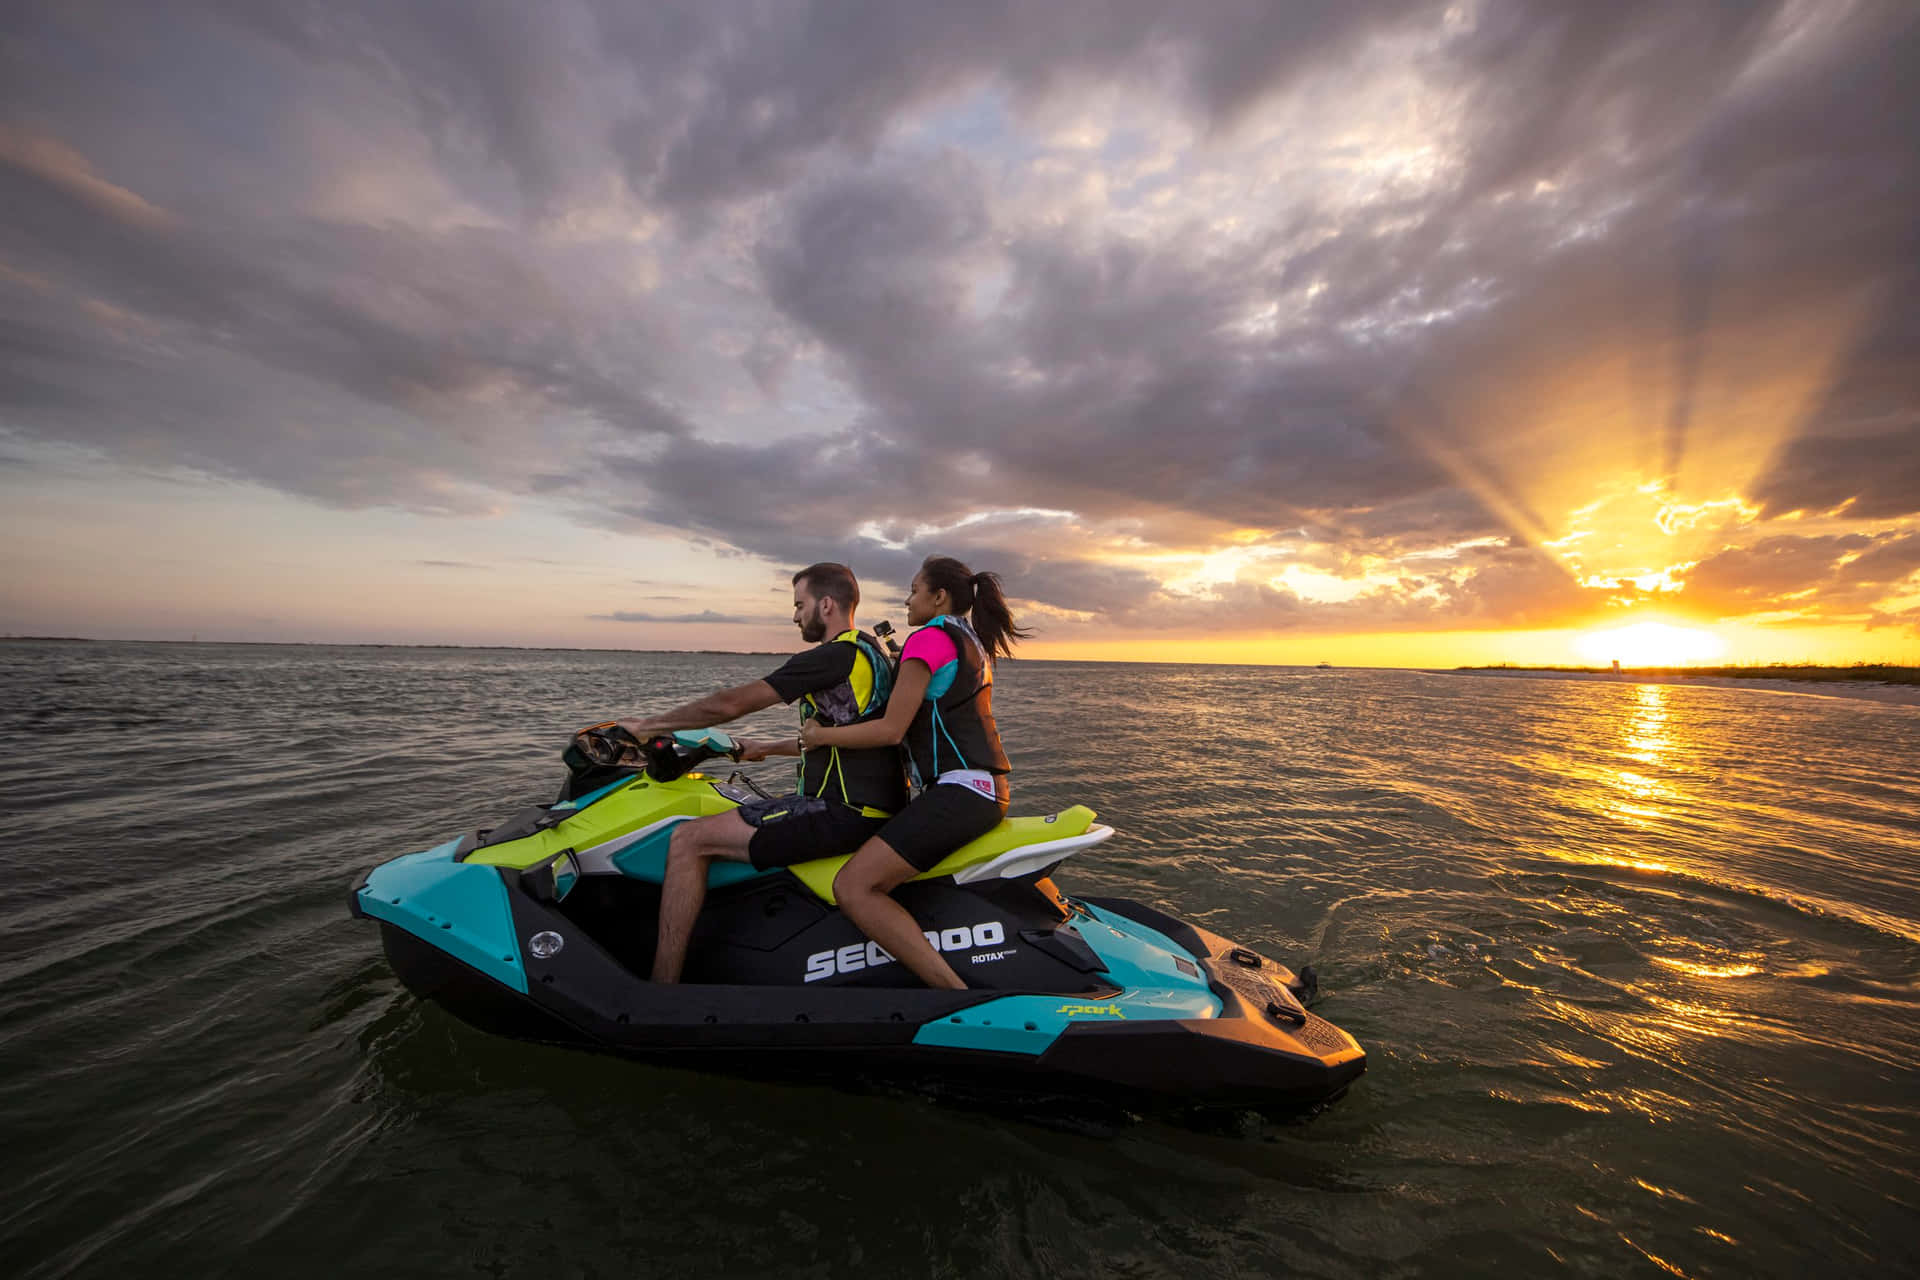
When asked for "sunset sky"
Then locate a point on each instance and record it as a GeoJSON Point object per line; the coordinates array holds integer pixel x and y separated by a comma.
{"type": "Point", "coordinates": [1375, 332]}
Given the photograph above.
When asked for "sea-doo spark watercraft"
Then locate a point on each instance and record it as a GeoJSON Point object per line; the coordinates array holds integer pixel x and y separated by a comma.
{"type": "Point", "coordinates": [543, 928]}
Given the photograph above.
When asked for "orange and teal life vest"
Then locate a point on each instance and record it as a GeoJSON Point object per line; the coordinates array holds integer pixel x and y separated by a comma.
{"type": "Point", "coordinates": [953, 727]}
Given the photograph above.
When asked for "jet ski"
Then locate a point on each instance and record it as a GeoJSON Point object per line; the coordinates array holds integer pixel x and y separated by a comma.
{"type": "Point", "coordinates": [543, 928]}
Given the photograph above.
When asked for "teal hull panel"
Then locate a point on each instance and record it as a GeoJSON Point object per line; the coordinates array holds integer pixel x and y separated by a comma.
{"type": "Point", "coordinates": [1139, 960]}
{"type": "Point", "coordinates": [459, 907]}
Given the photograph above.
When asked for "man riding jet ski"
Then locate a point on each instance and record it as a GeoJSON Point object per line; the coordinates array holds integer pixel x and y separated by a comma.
{"type": "Point", "coordinates": [845, 796]}
{"type": "Point", "coordinates": [542, 928]}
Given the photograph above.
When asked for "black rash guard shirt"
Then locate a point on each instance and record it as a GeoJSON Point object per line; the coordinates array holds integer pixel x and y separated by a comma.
{"type": "Point", "coordinates": [873, 775]}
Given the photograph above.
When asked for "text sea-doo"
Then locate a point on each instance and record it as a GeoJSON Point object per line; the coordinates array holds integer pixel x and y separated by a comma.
{"type": "Point", "coordinates": [543, 928]}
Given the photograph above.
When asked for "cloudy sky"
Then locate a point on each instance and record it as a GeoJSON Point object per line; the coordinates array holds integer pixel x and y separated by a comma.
{"type": "Point", "coordinates": [1382, 331]}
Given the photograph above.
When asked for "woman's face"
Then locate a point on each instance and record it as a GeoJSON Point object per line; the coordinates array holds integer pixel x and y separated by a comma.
{"type": "Point", "coordinates": [924, 605]}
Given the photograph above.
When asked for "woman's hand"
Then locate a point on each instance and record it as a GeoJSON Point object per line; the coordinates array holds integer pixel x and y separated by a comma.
{"type": "Point", "coordinates": [814, 734]}
{"type": "Point", "coordinates": [752, 749]}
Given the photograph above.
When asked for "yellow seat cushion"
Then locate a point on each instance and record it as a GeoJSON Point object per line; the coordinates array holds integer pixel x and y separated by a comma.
{"type": "Point", "coordinates": [1012, 833]}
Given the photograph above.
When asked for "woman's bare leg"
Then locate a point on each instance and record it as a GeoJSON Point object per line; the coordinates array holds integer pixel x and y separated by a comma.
{"type": "Point", "coordinates": [864, 888]}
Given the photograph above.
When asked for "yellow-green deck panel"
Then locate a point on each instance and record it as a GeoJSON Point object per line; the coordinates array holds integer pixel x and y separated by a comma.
{"type": "Point", "coordinates": [1010, 834]}
{"type": "Point", "coordinates": [640, 803]}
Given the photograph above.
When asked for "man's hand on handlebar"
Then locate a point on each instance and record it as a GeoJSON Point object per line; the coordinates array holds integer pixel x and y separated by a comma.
{"type": "Point", "coordinates": [643, 730]}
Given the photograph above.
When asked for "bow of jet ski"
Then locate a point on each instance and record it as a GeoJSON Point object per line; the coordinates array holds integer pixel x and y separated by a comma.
{"type": "Point", "coordinates": [543, 929]}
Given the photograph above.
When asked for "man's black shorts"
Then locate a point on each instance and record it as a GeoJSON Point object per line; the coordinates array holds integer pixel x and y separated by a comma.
{"type": "Point", "coordinates": [790, 829]}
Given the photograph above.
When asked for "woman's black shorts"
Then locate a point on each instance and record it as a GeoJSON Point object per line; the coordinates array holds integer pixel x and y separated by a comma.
{"type": "Point", "coordinates": [940, 820]}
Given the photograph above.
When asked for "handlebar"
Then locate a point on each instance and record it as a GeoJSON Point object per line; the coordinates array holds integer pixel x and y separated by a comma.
{"type": "Point", "coordinates": [664, 758]}
{"type": "Point", "coordinates": [671, 755]}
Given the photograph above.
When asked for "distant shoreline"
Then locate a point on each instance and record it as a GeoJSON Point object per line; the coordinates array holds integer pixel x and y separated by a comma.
{"type": "Point", "coordinates": [1885, 683]}
{"type": "Point", "coordinates": [1884, 673]}
{"type": "Point", "coordinates": [1893, 685]}
{"type": "Point", "coordinates": [379, 644]}
{"type": "Point", "coordinates": [713, 653]}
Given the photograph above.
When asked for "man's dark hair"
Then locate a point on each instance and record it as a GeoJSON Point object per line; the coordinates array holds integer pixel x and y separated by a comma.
{"type": "Point", "coordinates": [834, 581]}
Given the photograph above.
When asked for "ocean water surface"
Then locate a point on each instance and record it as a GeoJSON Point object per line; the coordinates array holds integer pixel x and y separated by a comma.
{"type": "Point", "coordinates": [1637, 969]}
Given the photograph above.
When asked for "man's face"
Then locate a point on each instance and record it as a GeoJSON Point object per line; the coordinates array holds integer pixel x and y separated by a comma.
{"type": "Point", "coordinates": [806, 614]}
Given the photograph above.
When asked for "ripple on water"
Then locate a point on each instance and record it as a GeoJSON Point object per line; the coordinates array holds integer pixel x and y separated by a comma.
{"type": "Point", "coordinates": [1636, 968]}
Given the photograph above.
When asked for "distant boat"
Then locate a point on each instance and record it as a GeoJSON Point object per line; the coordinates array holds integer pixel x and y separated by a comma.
{"type": "Point", "coordinates": [1325, 666]}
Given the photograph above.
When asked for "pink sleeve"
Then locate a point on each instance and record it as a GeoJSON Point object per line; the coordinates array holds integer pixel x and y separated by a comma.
{"type": "Point", "coordinates": [932, 645]}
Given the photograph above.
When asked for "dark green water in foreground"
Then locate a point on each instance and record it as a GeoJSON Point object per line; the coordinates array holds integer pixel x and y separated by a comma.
{"type": "Point", "coordinates": [1637, 969]}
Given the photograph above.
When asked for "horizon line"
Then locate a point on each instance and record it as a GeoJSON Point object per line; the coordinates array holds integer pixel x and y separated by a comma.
{"type": "Point", "coordinates": [1703, 667]}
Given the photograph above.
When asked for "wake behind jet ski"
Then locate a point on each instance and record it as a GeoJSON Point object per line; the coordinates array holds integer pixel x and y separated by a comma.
{"type": "Point", "coordinates": [542, 928]}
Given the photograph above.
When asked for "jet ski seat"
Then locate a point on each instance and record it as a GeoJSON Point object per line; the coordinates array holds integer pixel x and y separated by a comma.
{"type": "Point", "coordinates": [1016, 847]}
{"type": "Point", "coordinates": [612, 835]}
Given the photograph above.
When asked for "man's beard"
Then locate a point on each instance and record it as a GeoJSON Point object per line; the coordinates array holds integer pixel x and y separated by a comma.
{"type": "Point", "coordinates": [813, 628]}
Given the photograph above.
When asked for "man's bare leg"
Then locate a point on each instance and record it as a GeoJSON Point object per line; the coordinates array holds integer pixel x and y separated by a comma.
{"type": "Point", "coordinates": [864, 888]}
{"type": "Point", "coordinates": [683, 889]}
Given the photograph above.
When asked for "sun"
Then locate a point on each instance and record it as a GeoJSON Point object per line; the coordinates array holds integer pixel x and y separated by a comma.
{"type": "Point", "coordinates": [1649, 644]}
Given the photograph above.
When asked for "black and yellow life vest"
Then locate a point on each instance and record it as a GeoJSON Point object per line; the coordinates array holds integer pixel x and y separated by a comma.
{"type": "Point", "coordinates": [867, 778]}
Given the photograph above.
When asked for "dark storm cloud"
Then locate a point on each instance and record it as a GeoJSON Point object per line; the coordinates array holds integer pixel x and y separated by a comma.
{"type": "Point", "coordinates": [1872, 476]}
{"type": "Point", "coordinates": [1128, 397]}
{"type": "Point", "coordinates": [1837, 573]}
{"type": "Point", "coordinates": [1490, 587]}
{"type": "Point", "coordinates": [1125, 339]}
{"type": "Point", "coordinates": [1892, 559]}
{"type": "Point", "coordinates": [755, 90]}
{"type": "Point", "coordinates": [1786, 192]}
{"type": "Point", "coordinates": [369, 253]}
{"type": "Point", "coordinates": [1770, 567]}
{"type": "Point", "coordinates": [1720, 204]}
{"type": "Point", "coordinates": [1127, 389]}
{"type": "Point", "coordinates": [340, 362]}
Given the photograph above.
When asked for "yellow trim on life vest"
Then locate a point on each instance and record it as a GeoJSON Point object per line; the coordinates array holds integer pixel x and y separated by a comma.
{"type": "Point", "coordinates": [860, 679]}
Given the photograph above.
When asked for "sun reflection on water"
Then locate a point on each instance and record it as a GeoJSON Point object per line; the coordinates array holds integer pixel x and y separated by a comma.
{"type": "Point", "coordinates": [1679, 980]}
{"type": "Point", "coordinates": [1738, 970]}
{"type": "Point", "coordinates": [1647, 741]}
{"type": "Point", "coordinates": [1632, 864]}
{"type": "Point", "coordinates": [1647, 731]}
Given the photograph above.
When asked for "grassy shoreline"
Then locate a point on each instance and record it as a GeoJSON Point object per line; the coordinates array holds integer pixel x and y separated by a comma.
{"type": "Point", "coordinates": [1880, 673]}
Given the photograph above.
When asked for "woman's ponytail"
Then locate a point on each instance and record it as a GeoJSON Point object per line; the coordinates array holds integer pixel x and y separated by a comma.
{"type": "Point", "coordinates": [979, 596]}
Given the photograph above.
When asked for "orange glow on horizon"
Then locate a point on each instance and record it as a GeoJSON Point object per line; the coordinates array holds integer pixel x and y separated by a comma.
{"type": "Point", "coordinates": [1742, 644]}
{"type": "Point", "coordinates": [1650, 644]}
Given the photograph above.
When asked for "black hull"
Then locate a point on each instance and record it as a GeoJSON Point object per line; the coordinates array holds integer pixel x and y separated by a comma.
{"type": "Point", "coordinates": [846, 1034]}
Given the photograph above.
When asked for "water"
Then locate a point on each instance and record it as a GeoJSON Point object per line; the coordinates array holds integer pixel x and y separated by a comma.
{"type": "Point", "coordinates": [1636, 969]}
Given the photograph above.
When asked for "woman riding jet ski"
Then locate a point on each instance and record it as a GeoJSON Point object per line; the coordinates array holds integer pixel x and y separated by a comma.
{"type": "Point", "coordinates": [543, 929]}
